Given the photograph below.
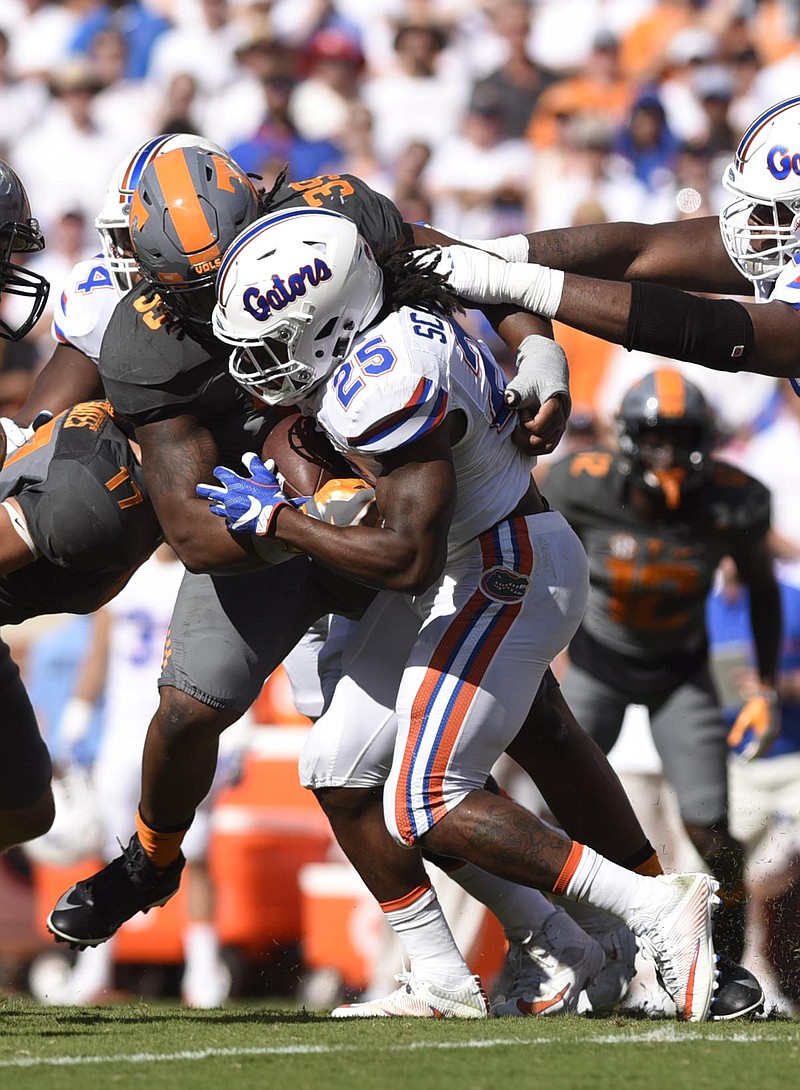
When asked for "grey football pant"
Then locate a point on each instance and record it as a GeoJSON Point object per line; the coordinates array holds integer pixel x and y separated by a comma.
{"type": "Point", "coordinates": [229, 632]}
{"type": "Point", "coordinates": [688, 732]}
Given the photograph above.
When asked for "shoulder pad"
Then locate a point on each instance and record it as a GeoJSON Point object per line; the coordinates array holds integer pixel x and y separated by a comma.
{"type": "Point", "coordinates": [375, 216]}
{"type": "Point", "coordinates": [386, 395]}
{"type": "Point", "coordinates": [579, 481]}
{"type": "Point", "coordinates": [83, 309]}
{"type": "Point", "coordinates": [786, 288]}
{"type": "Point", "coordinates": [739, 501]}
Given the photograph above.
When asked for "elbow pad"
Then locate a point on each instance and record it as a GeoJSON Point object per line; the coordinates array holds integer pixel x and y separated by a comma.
{"type": "Point", "coordinates": [716, 333]}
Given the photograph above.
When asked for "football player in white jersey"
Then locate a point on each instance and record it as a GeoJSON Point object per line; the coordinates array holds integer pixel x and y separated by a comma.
{"type": "Point", "coordinates": [622, 281]}
{"type": "Point", "coordinates": [481, 586]}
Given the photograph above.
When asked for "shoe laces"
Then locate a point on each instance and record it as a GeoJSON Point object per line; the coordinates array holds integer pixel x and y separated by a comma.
{"type": "Point", "coordinates": [137, 864]}
{"type": "Point", "coordinates": [530, 963]}
{"type": "Point", "coordinates": [404, 980]}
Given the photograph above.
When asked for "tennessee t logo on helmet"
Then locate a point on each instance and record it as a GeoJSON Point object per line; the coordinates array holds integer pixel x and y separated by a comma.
{"type": "Point", "coordinates": [189, 206]}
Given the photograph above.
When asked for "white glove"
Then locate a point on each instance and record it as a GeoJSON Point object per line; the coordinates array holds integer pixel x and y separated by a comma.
{"type": "Point", "coordinates": [542, 373]}
{"type": "Point", "coordinates": [15, 435]}
{"type": "Point", "coordinates": [483, 278]}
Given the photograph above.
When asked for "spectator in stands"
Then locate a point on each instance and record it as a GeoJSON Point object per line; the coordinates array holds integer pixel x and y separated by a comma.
{"type": "Point", "coordinates": [202, 47]}
{"type": "Point", "coordinates": [600, 91]}
{"type": "Point", "coordinates": [479, 177]}
{"type": "Point", "coordinates": [414, 103]}
{"type": "Point", "coordinates": [276, 142]}
{"type": "Point", "coordinates": [21, 100]}
{"type": "Point", "coordinates": [321, 103]}
{"type": "Point", "coordinates": [234, 112]}
{"type": "Point", "coordinates": [68, 135]}
{"type": "Point", "coordinates": [519, 81]}
{"type": "Point", "coordinates": [647, 142]}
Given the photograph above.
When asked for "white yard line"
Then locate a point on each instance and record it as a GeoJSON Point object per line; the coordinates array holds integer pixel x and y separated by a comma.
{"type": "Point", "coordinates": [660, 1035]}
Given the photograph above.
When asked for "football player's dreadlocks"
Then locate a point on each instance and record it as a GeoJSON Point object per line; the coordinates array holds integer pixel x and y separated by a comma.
{"type": "Point", "coordinates": [410, 281]}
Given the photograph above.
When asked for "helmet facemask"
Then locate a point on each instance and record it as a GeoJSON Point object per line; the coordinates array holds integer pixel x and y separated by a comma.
{"type": "Point", "coordinates": [761, 237]}
{"type": "Point", "coordinates": [118, 253]}
{"type": "Point", "coordinates": [17, 280]}
{"type": "Point", "coordinates": [669, 459]}
{"type": "Point", "coordinates": [292, 296]}
{"type": "Point", "coordinates": [760, 225]}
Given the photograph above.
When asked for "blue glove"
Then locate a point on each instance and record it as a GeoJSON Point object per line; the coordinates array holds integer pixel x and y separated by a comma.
{"type": "Point", "coordinates": [248, 505]}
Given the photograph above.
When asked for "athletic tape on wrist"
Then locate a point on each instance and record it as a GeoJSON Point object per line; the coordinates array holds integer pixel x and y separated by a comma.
{"type": "Point", "coordinates": [542, 371]}
{"type": "Point", "coordinates": [511, 247]}
{"type": "Point", "coordinates": [536, 288]}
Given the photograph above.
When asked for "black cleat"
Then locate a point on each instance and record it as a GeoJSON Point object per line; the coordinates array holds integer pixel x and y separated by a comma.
{"type": "Point", "coordinates": [738, 994]}
{"type": "Point", "coordinates": [92, 910]}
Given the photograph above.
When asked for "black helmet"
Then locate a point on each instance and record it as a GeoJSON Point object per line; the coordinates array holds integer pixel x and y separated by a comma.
{"type": "Point", "coordinates": [666, 406]}
{"type": "Point", "coordinates": [189, 206]}
{"type": "Point", "coordinates": [19, 234]}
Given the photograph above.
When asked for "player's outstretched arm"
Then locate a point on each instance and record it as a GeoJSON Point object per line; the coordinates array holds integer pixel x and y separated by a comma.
{"type": "Point", "coordinates": [685, 254]}
{"type": "Point", "coordinates": [759, 721]}
{"type": "Point", "coordinates": [177, 454]}
{"type": "Point", "coordinates": [541, 385]}
{"type": "Point", "coordinates": [723, 334]}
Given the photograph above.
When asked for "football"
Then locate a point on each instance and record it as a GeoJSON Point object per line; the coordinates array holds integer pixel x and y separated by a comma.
{"type": "Point", "coordinates": [3, 447]}
{"type": "Point", "coordinates": [303, 455]}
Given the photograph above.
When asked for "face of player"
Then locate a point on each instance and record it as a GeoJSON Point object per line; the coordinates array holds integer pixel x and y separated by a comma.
{"type": "Point", "coordinates": [667, 448]}
{"type": "Point", "coordinates": [764, 216]}
{"type": "Point", "coordinates": [670, 461]}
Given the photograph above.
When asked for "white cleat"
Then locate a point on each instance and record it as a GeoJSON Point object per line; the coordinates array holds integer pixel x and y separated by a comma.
{"type": "Point", "coordinates": [549, 970]}
{"type": "Point", "coordinates": [611, 984]}
{"type": "Point", "coordinates": [678, 938]}
{"type": "Point", "coordinates": [416, 999]}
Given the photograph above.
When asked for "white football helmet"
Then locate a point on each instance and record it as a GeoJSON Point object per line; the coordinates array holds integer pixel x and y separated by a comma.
{"type": "Point", "coordinates": [760, 226]}
{"type": "Point", "coordinates": [292, 293]}
{"type": "Point", "coordinates": [112, 223]}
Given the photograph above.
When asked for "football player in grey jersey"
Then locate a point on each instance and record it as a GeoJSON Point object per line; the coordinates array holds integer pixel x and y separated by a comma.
{"type": "Point", "coordinates": [656, 517]}
{"type": "Point", "coordinates": [75, 523]}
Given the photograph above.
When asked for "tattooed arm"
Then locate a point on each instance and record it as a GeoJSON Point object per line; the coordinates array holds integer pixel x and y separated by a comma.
{"type": "Point", "coordinates": [177, 454]}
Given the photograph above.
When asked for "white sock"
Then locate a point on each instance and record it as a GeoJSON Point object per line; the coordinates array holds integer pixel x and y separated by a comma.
{"type": "Point", "coordinates": [520, 910]}
{"type": "Point", "coordinates": [590, 919]}
{"type": "Point", "coordinates": [92, 975]}
{"type": "Point", "coordinates": [589, 877]}
{"type": "Point", "coordinates": [200, 945]}
{"type": "Point", "coordinates": [419, 923]}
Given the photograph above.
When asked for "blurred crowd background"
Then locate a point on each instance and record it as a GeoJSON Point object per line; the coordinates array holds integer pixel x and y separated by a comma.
{"type": "Point", "coordinates": [482, 117]}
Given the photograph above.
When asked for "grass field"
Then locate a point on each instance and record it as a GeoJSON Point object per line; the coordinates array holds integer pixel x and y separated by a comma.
{"type": "Point", "coordinates": [156, 1047]}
